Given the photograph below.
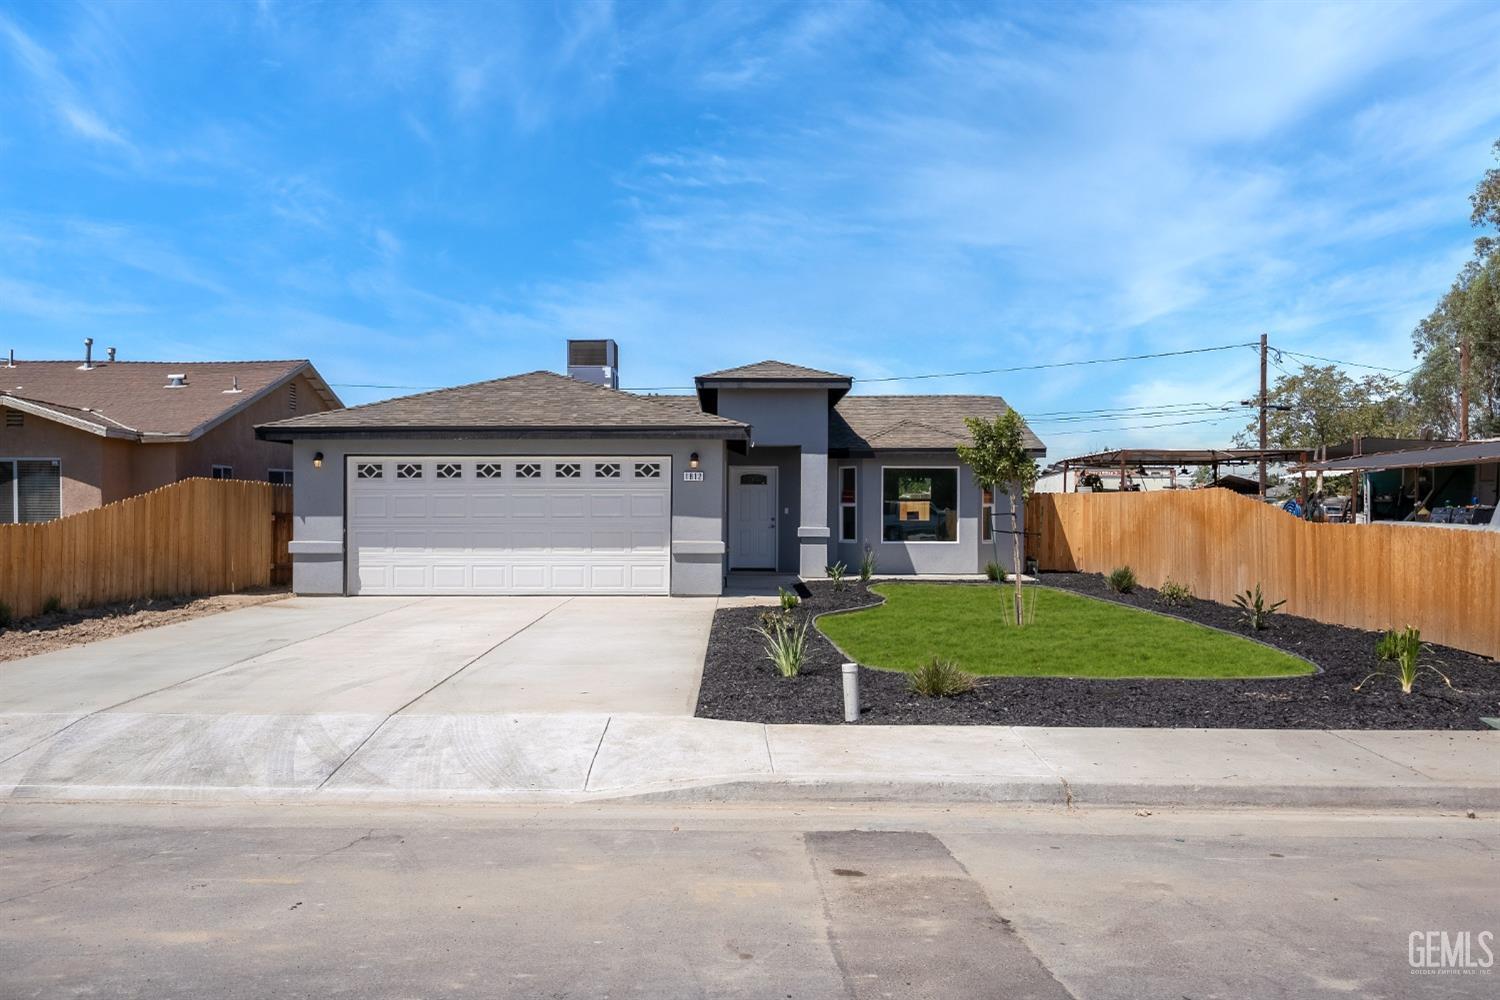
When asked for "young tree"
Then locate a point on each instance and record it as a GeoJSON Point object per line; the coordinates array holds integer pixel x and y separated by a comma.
{"type": "Point", "coordinates": [1000, 463]}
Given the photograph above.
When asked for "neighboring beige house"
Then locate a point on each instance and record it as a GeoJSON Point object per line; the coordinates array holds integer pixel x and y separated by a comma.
{"type": "Point", "coordinates": [77, 435]}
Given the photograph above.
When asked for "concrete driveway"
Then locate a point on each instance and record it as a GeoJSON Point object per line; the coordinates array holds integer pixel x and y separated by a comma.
{"type": "Point", "coordinates": [378, 656]}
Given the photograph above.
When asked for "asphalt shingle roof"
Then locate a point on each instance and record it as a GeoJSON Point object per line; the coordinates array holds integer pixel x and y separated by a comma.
{"type": "Point", "coordinates": [537, 401]}
{"type": "Point", "coordinates": [774, 371]}
{"type": "Point", "coordinates": [919, 423]}
{"type": "Point", "coordinates": [132, 395]}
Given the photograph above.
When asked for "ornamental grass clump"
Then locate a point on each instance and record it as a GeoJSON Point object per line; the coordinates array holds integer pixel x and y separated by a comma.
{"type": "Point", "coordinates": [867, 565]}
{"type": "Point", "coordinates": [993, 572]}
{"type": "Point", "coordinates": [1121, 579]}
{"type": "Point", "coordinates": [785, 642]}
{"type": "Point", "coordinates": [940, 678]}
{"type": "Point", "coordinates": [788, 598]}
{"type": "Point", "coordinates": [1403, 648]}
{"type": "Point", "coordinates": [1254, 611]}
{"type": "Point", "coordinates": [836, 573]}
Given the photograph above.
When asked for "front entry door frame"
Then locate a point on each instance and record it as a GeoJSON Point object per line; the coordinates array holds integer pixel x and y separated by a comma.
{"type": "Point", "coordinates": [753, 556]}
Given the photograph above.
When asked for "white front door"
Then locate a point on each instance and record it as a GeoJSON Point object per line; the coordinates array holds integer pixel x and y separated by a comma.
{"type": "Point", "coordinates": [509, 524]}
{"type": "Point", "coordinates": [752, 517]}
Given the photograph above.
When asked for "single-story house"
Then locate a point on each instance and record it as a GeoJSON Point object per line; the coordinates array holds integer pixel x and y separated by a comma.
{"type": "Point", "coordinates": [544, 483]}
{"type": "Point", "coordinates": [78, 434]}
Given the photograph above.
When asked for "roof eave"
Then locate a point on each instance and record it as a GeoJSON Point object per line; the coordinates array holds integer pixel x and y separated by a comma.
{"type": "Point", "coordinates": [275, 432]}
{"type": "Point", "coordinates": [66, 419]}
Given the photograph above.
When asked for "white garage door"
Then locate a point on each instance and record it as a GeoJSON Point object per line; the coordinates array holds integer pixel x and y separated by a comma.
{"type": "Point", "coordinates": [517, 525]}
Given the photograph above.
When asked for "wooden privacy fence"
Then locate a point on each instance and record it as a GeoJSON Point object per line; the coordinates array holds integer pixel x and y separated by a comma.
{"type": "Point", "coordinates": [198, 536]}
{"type": "Point", "coordinates": [1445, 581]}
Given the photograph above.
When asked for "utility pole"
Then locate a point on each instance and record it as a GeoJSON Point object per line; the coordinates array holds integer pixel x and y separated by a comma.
{"type": "Point", "coordinates": [1262, 401]}
{"type": "Point", "coordinates": [1463, 388]}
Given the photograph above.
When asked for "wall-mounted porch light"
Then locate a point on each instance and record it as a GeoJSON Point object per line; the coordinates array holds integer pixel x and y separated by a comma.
{"type": "Point", "coordinates": [318, 460]}
{"type": "Point", "coordinates": [693, 460]}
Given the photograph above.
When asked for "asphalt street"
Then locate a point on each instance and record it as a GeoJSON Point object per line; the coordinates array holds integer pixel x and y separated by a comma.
{"type": "Point", "coordinates": [781, 901]}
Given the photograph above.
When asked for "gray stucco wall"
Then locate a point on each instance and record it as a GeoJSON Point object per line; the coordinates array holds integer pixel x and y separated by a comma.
{"type": "Point", "coordinates": [319, 496]}
{"type": "Point", "coordinates": [969, 554]}
{"type": "Point", "coordinates": [797, 418]}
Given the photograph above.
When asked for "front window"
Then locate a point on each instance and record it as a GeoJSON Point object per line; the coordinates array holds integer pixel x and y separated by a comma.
{"type": "Point", "coordinates": [921, 505]}
{"type": "Point", "coordinates": [848, 504]}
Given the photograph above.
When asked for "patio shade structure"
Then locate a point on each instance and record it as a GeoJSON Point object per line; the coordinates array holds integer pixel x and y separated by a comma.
{"type": "Point", "coordinates": [1171, 458]}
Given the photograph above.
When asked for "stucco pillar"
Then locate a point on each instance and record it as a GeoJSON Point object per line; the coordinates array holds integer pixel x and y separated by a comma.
{"type": "Point", "coordinates": [812, 527]}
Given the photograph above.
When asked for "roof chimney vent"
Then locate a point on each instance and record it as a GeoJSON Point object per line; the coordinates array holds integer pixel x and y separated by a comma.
{"type": "Point", "coordinates": [88, 355]}
{"type": "Point", "coordinates": [11, 363]}
{"type": "Point", "coordinates": [596, 361]}
{"type": "Point", "coordinates": [234, 386]}
{"type": "Point", "coordinates": [111, 355]}
{"type": "Point", "coordinates": [178, 381]}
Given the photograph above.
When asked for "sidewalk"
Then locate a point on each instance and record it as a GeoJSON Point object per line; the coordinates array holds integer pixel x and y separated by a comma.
{"type": "Point", "coordinates": [591, 758]}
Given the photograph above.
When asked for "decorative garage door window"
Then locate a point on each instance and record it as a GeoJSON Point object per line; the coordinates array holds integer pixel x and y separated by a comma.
{"type": "Point", "coordinates": [607, 470]}
{"type": "Point", "coordinates": [450, 470]}
{"type": "Point", "coordinates": [369, 470]}
{"type": "Point", "coordinates": [488, 470]}
{"type": "Point", "coordinates": [529, 470]}
{"type": "Point", "coordinates": [408, 470]}
{"type": "Point", "coordinates": [648, 470]}
{"type": "Point", "coordinates": [753, 479]}
{"type": "Point", "coordinates": [569, 470]}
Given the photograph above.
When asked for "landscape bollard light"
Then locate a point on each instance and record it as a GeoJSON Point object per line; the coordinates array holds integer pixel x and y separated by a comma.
{"type": "Point", "coordinates": [851, 692]}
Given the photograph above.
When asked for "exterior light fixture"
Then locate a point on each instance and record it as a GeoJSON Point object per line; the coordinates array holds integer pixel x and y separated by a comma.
{"type": "Point", "coordinates": [318, 460]}
{"type": "Point", "coordinates": [693, 460]}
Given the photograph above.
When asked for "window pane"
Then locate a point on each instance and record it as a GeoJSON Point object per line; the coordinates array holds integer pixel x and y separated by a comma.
{"type": "Point", "coordinates": [850, 525]}
{"type": "Point", "coordinates": [40, 499]}
{"type": "Point", "coordinates": [921, 505]}
{"type": "Point", "coordinates": [7, 492]}
{"type": "Point", "coordinates": [847, 485]}
{"type": "Point", "coordinates": [986, 529]}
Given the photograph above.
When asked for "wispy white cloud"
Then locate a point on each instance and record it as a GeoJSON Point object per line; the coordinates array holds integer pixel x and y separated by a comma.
{"type": "Point", "coordinates": [53, 87]}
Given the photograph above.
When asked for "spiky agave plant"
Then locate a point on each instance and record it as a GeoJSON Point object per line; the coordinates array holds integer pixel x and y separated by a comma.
{"type": "Point", "coordinates": [785, 643]}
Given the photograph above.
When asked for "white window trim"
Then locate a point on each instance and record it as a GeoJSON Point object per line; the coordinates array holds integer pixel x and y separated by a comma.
{"type": "Point", "coordinates": [286, 472]}
{"type": "Point", "coordinates": [854, 505]}
{"type": "Point", "coordinates": [15, 485]}
{"type": "Point", "coordinates": [958, 504]}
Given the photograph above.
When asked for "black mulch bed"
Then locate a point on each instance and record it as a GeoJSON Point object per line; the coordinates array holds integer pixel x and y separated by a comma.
{"type": "Point", "coordinates": [739, 684]}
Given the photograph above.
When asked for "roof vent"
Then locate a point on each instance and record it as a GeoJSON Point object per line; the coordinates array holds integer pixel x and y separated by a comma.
{"type": "Point", "coordinates": [596, 361]}
{"type": "Point", "coordinates": [178, 381]}
{"type": "Point", "coordinates": [111, 355]}
{"type": "Point", "coordinates": [234, 386]}
{"type": "Point", "coordinates": [11, 361]}
{"type": "Point", "coordinates": [88, 355]}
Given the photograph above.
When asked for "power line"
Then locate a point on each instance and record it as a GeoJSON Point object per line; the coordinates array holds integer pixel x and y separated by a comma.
{"type": "Point", "coordinates": [1146, 427]}
{"type": "Point", "coordinates": [1336, 361]}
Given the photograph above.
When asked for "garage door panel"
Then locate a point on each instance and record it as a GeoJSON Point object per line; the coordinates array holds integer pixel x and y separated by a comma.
{"type": "Point", "coordinates": [509, 526]}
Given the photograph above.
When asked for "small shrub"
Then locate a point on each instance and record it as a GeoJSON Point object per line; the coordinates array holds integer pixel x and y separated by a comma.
{"type": "Point", "coordinates": [939, 678]}
{"type": "Point", "coordinates": [6, 618]}
{"type": "Point", "coordinates": [52, 605]}
{"type": "Point", "coordinates": [773, 616]}
{"type": "Point", "coordinates": [836, 574]}
{"type": "Point", "coordinates": [867, 565]}
{"type": "Point", "coordinates": [785, 642]}
{"type": "Point", "coordinates": [1174, 594]}
{"type": "Point", "coordinates": [1121, 579]}
{"type": "Point", "coordinates": [993, 572]}
{"type": "Point", "coordinates": [1403, 647]}
{"type": "Point", "coordinates": [788, 598]}
{"type": "Point", "coordinates": [1254, 611]}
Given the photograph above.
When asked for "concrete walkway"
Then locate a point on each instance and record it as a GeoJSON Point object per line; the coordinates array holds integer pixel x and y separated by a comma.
{"type": "Point", "coordinates": [417, 757]}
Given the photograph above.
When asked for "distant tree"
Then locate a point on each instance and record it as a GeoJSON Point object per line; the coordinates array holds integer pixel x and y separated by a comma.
{"type": "Point", "coordinates": [999, 461]}
{"type": "Point", "coordinates": [1321, 405]}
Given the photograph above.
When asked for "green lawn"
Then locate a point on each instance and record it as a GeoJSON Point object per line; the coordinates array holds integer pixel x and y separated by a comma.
{"type": "Point", "coordinates": [1072, 636]}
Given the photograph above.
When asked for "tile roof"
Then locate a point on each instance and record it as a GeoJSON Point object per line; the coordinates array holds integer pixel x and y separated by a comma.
{"type": "Point", "coordinates": [919, 423]}
{"type": "Point", "coordinates": [773, 371]}
{"type": "Point", "coordinates": [132, 396]}
{"type": "Point", "coordinates": [536, 402]}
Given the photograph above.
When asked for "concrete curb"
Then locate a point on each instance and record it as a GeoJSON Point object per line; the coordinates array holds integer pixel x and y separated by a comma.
{"type": "Point", "coordinates": [799, 789]}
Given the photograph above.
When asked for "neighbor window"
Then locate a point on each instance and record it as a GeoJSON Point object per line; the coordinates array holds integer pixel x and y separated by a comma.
{"type": "Point", "coordinates": [30, 491]}
{"type": "Point", "coordinates": [921, 505]}
{"type": "Point", "coordinates": [279, 477]}
{"type": "Point", "coordinates": [222, 471]}
{"type": "Point", "coordinates": [848, 508]}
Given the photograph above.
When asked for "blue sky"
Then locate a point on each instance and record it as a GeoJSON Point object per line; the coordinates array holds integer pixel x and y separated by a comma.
{"type": "Point", "coordinates": [428, 195]}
